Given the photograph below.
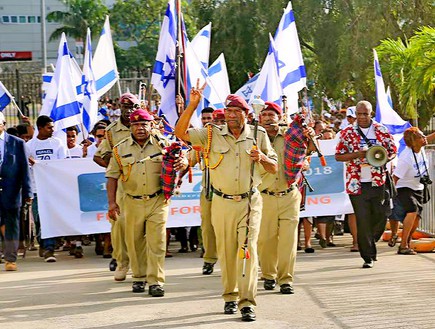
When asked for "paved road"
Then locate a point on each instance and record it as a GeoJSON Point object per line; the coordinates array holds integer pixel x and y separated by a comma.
{"type": "Point", "coordinates": [332, 291]}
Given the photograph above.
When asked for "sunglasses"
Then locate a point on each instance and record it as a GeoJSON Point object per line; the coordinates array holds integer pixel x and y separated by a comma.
{"type": "Point", "coordinates": [99, 136]}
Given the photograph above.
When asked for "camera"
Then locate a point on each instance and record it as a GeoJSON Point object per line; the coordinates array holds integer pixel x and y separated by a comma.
{"type": "Point", "coordinates": [425, 180]}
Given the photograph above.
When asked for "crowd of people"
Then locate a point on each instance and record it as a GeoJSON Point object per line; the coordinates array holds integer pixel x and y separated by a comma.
{"type": "Point", "coordinates": [252, 189]}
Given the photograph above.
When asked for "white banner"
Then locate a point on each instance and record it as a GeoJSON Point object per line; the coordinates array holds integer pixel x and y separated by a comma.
{"type": "Point", "coordinates": [72, 197]}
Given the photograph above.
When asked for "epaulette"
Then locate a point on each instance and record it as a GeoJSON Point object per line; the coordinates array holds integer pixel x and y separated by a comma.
{"type": "Point", "coordinates": [112, 124]}
{"type": "Point", "coordinates": [122, 141]}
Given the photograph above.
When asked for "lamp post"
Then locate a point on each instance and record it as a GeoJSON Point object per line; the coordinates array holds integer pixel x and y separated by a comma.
{"type": "Point", "coordinates": [43, 38]}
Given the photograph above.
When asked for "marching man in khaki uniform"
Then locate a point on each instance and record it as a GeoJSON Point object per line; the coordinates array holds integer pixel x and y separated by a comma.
{"type": "Point", "coordinates": [277, 242]}
{"type": "Point", "coordinates": [145, 207]}
{"type": "Point", "coordinates": [115, 133]}
{"type": "Point", "coordinates": [231, 151]}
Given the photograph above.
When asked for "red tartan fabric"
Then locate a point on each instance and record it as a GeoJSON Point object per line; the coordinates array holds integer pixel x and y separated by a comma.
{"type": "Point", "coordinates": [169, 174]}
{"type": "Point", "coordinates": [350, 142]}
{"type": "Point", "coordinates": [295, 150]}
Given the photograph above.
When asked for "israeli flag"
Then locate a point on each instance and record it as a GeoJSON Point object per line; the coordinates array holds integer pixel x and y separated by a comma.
{"type": "Point", "coordinates": [104, 62]}
{"type": "Point", "coordinates": [163, 77]}
{"type": "Point", "coordinates": [291, 66]}
{"type": "Point", "coordinates": [61, 102]}
{"type": "Point", "coordinates": [246, 90]}
{"type": "Point", "coordinates": [90, 97]}
{"type": "Point", "coordinates": [218, 87]}
{"type": "Point", "coordinates": [268, 85]}
{"type": "Point", "coordinates": [385, 113]}
{"type": "Point", "coordinates": [5, 97]}
{"type": "Point", "coordinates": [201, 45]}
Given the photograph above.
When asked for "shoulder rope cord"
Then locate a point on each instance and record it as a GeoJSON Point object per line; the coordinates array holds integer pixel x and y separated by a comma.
{"type": "Point", "coordinates": [198, 160]}
{"type": "Point", "coordinates": [109, 138]}
{"type": "Point", "coordinates": [207, 150]}
{"type": "Point", "coordinates": [124, 178]}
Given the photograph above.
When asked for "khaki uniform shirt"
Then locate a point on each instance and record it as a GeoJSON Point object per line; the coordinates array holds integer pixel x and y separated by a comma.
{"type": "Point", "coordinates": [144, 177]}
{"type": "Point", "coordinates": [276, 182]}
{"type": "Point", "coordinates": [115, 132]}
{"type": "Point", "coordinates": [232, 176]}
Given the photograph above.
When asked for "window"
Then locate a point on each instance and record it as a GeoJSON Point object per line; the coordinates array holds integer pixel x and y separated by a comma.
{"type": "Point", "coordinates": [14, 19]}
{"type": "Point", "coordinates": [5, 19]}
{"type": "Point", "coordinates": [31, 19]}
{"type": "Point", "coordinates": [39, 19]}
{"type": "Point", "coordinates": [23, 19]}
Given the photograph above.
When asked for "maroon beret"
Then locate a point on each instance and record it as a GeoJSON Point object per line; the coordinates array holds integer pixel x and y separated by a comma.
{"type": "Point", "coordinates": [128, 98]}
{"type": "Point", "coordinates": [219, 113]}
{"type": "Point", "coordinates": [273, 107]}
{"type": "Point", "coordinates": [140, 115]}
{"type": "Point", "coordinates": [237, 101]}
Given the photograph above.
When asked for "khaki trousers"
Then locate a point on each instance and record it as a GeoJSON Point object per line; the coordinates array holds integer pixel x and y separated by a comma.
{"type": "Point", "coordinates": [208, 234]}
{"type": "Point", "coordinates": [145, 233]}
{"type": "Point", "coordinates": [118, 232]}
{"type": "Point", "coordinates": [229, 222]}
{"type": "Point", "coordinates": [277, 242]}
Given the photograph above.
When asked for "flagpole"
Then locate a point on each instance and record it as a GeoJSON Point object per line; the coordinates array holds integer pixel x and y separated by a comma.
{"type": "Point", "coordinates": [16, 106]}
{"type": "Point", "coordinates": [178, 92]}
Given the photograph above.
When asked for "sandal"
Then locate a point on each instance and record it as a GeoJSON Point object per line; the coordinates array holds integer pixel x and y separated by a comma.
{"type": "Point", "coordinates": [393, 240]}
{"type": "Point", "coordinates": [354, 249]}
{"type": "Point", "coordinates": [406, 251]}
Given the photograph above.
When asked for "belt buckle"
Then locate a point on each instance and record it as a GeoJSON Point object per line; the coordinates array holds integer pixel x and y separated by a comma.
{"type": "Point", "coordinates": [237, 198]}
{"type": "Point", "coordinates": [280, 194]}
{"type": "Point", "coordinates": [146, 197]}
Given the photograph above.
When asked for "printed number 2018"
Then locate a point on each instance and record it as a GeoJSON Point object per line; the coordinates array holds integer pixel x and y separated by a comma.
{"type": "Point", "coordinates": [319, 171]}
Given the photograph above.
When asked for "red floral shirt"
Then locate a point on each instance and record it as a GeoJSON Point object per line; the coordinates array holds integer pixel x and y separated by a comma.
{"type": "Point", "coordinates": [350, 142]}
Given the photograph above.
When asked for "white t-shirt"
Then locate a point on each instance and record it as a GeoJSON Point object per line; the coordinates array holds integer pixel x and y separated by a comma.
{"type": "Point", "coordinates": [406, 169]}
{"type": "Point", "coordinates": [92, 149]}
{"type": "Point", "coordinates": [366, 175]}
{"type": "Point", "coordinates": [45, 150]}
{"type": "Point", "coordinates": [75, 153]}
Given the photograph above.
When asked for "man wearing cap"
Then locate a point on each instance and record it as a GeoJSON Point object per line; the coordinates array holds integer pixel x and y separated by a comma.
{"type": "Point", "coordinates": [115, 133]}
{"type": "Point", "coordinates": [277, 242]}
{"type": "Point", "coordinates": [231, 151]}
{"type": "Point", "coordinates": [15, 184]}
{"type": "Point", "coordinates": [219, 117]}
{"type": "Point", "coordinates": [144, 205]}
{"type": "Point", "coordinates": [350, 117]}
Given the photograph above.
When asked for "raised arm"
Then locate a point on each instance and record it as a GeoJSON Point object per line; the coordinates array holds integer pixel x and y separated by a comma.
{"type": "Point", "coordinates": [184, 120]}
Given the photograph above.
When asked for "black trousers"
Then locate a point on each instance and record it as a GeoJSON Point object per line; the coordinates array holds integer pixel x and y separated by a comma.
{"type": "Point", "coordinates": [371, 211]}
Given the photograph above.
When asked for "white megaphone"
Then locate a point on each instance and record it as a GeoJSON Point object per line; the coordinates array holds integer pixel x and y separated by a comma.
{"type": "Point", "coordinates": [377, 156]}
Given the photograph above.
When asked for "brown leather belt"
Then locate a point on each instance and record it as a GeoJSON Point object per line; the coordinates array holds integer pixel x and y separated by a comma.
{"type": "Point", "coordinates": [145, 197]}
{"type": "Point", "coordinates": [279, 194]}
{"type": "Point", "coordinates": [235, 197]}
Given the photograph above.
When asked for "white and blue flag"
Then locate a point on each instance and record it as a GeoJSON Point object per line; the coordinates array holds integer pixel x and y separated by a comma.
{"type": "Point", "coordinates": [5, 97]}
{"type": "Point", "coordinates": [218, 86]}
{"type": "Point", "coordinates": [104, 61]}
{"type": "Point", "coordinates": [201, 45]}
{"type": "Point", "coordinates": [163, 77]}
{"type": "Point", "coordinates": [291, 66]}
{"type": "Point", "coordinates": [90, 98]}
{"type": "Point", "coordinates": [246, 90]}
{"type": "Point", "coordinates": [385, 113]}
{"type": "Point", "coordinates": [268, 85]}
{"type": "Point", "coordinates": [61, 102]}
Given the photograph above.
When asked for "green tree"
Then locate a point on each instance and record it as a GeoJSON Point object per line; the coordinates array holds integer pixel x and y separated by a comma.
{"type": "Point", "coordinates": [139, 22]}
{"type": "Point", "coordinates": [80, 15]}
{"type": "Point", "coordinates": [411, 71]}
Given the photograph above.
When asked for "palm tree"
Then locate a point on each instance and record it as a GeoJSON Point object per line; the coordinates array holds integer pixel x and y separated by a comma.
{"type": "Point", "coordinates": [80, 15]}
{"type": "Point", "coordinates": [411, 69]}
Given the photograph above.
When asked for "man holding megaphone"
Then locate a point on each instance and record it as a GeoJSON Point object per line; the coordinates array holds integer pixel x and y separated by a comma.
{"type": "Point", "coordinates": [366, 146]}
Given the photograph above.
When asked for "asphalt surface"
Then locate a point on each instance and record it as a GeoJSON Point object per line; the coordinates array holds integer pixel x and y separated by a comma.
{"type": "Point", "coordinates": [331, 291]}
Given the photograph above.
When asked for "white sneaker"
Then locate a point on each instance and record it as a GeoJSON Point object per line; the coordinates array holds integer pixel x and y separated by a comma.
{"type": "Point", "coordinates": [120, 273]}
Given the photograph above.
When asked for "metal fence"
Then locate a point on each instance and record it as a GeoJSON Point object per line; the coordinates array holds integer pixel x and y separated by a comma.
{"type": "Point", "coordinates": [427, 223]}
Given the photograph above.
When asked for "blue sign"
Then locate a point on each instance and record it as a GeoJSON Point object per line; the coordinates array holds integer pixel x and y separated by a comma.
{"type": "Point", "coordinates": [325, 180]}
{"type": "Point", "coordinates": [92, 192]}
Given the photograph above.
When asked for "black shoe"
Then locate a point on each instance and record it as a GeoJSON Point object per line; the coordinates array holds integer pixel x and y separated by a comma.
{"type": "Point", "coordinates": [248, 314]}
{"type": "Point", "coordinates": [322, 243]}
{"type": "Point", "coordinates": [368, 264]}
{"type": "Point", "coordinates": [269, 284]}
{"type": "Point", "coordinates": [138, 286]}
{"type": "Point", "coordinates": [331, 244]}
{"type": "Point", "coordinates": [230, 308]}
{"type": "Point", "coordinates": [286, 289]}
{"type": "Point", "coordinates": [193, 247]}
{"type": "Point", "coordinates": [309, 250]}
{"type": "Point", "coordinates": [113, 265]}
{"type": "Point", "coordinates": [207, 268]}
{"type": "Point", "coordinates": [156, 291]}
{"type": "Point", "coordinates": [183, 250]}
{"type": "Point", "coordinates": [299, 248]}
